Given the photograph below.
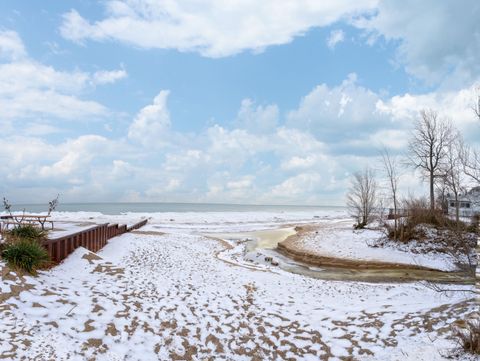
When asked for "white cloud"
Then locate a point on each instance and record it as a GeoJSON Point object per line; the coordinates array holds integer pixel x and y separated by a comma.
{"type": "Point", "coordinates": [257, 119]}
{"type": "Point", "coordinates": [11, 46]}
{"type": "Point", "coordinates": [180, 160]}
{"type": "Point", "coordinates": [172, 185]}
{"type": "Point", "coordinates": [456, 105]}
{"type": "Point", "coordinates": [223, 185]}
{"type": "Point", "coordinates": [335, 37]}
{"type": "Point", "coordinates": [29, 89]}
{"type": "Point", "coordinates": [297, 141]}
{"type": "Point", "coordinates": [33, 169]}
{"type": "Point", "coordinates": [428, 45]}
{"type": "Point", "coordinates": [337, 114]}
{"type": "Point", "coordinates": [39, 129]}
{"type": "Point", "coordinates": [351, 118]}
{"type": "Point", "coordinates": [242, 183]}
{"type": "Point", "coordinates": [108, 76]}
{"type": "Point", "coordinates": [27, 74]}
{"type": "Point", "coordinates": [235, 146]}
{"type": "Point", "coordinates": [437, 38]}
{"type": "Point", "coordinates": [75, 155]}
{"type": "Point", "coordinates": [300, 163]}
{"type": "Point", "coordinates": [396, 139]}
{"type": "Point", "coordinates": [152, 124]}
{"type": "Point", "coordinates": [121, 169]}
{"type": "Point", "coordinates": [214, 28]}
{"type": "Point", "coordinates": [33, 102]}
{"type": "Point", "coordinates": [303, 185]}
{"type": "Point", "coordinates": [307, 157]}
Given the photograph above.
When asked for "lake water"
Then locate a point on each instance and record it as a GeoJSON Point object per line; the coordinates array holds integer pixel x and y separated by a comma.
{"type": "Point", "coordinates": [119, 208]}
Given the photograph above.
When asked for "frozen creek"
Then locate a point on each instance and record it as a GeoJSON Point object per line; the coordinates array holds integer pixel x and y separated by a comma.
{"type": "Point", "coordinates": [259, 248]}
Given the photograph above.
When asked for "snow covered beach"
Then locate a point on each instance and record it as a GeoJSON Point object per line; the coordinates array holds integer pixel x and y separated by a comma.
{"type": "Point", "coordinates": [168, 292]}
{"type": "Point", "coordinates": [335, 241]}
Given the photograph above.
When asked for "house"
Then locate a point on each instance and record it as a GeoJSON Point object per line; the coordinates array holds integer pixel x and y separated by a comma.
{"type": "Point", "coordinates": [469, 203]}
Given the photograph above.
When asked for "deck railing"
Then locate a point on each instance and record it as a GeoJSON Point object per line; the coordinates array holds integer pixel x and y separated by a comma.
{"type": "Point", "coordinates": [92, 239]}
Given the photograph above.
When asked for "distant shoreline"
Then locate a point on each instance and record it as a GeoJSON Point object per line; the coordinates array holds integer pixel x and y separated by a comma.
{"type": "Point", "coordinates": [153, 207]}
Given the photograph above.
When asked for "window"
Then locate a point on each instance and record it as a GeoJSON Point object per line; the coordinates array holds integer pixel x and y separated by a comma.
{"type": "Point", "coordinates": [467, 205]}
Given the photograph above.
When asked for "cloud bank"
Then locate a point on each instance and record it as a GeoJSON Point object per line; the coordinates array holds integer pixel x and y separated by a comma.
{"type": "Point", "coordinates": [435, 39]}
{"type": "Point", "coordinates": [213, 28]}
{"type": "Point", "coordinates": [263, 154]}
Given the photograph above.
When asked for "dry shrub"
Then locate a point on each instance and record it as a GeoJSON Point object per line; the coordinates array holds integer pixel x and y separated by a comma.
{"type": "Point", "coordinates": [419, 212]}
{"type": "Point", "coordinates": [416, 212]}
{"type": "Point", "coordinates": [474, 226]}
{"type": "Point", "coordinates": [467, 334]}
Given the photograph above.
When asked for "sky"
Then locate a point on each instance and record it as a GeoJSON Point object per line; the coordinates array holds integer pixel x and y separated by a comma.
{"type": "Point", "coordinates": [272, 102]}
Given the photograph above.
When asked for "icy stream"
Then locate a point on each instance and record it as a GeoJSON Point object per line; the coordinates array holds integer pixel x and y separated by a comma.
{"type": "Point", "coordinates": [259, 247]}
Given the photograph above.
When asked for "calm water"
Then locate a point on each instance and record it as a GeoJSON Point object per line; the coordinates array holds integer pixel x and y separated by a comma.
{"type": "Point", "coordinates": [118, 208]}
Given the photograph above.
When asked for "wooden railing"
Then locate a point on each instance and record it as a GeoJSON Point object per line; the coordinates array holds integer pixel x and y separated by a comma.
{"type": "Point", "coordinates": [92, 239]}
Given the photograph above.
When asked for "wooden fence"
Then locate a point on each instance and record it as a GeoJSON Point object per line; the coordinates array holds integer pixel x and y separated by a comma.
{"type": "Point", "coordinates": [92, 239]}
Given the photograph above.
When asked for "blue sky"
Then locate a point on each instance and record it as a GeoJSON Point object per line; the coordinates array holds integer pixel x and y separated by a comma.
{"type": "Point", "coordinates": [205, 101]}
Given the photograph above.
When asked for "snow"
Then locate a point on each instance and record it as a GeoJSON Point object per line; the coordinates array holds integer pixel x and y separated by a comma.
{"type": "Point", "coordinates": [154, 296]}
{"type": "Point", "coordinates": [65, 228]}
{"type": "Point", "coordinates": [336, 238]}
{"type": "Point", "coordinates": [203, 221]}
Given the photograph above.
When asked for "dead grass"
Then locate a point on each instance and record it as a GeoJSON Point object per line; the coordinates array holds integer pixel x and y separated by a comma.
{"type": "Point", "coordinates": [467, 334]}
{"type": "Point", "coordinates": [420, 218]}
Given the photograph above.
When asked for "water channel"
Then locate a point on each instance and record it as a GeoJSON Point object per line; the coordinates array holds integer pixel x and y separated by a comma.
{"type": "Point", "coordinates": [260, 247]}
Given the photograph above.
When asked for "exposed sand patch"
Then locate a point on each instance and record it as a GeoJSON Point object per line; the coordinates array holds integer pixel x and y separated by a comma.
{"type": "Point", "coordinates": [91, 257]}
{"type": "Point", "coordinates": [148, 233]}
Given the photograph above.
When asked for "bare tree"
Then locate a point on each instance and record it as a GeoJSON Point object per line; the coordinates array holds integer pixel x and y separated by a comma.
{"type": "Point", "coordinates": [428, 146]}
{"type": "Point", "coordinates": [53, 204]}
{"type": "Point", "coordinates": [390, 166]}
{"type": "Point", "coordinates": [7, 206]}
{"type": "Point", "coordinates": [471, 163]}
{"type": "Point", "coordinates": [453, 172]}
{"type": "Point", "coordinates": [476, 104]}
{"type": "Point", "coordinates": [471, 157]}
{"type": "Point", "coordinates": [362, 197]}
{"type": "Point", "coordinates": [441, 189]}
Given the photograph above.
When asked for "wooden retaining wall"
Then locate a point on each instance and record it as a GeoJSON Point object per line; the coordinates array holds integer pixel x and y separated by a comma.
{"type": "Point", "coordinates": [137, 225]}
{"type": "Point", "coordinates": [92, 239]}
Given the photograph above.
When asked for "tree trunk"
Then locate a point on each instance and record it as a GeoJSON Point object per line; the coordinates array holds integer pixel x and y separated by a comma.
{"type": "Point", "coordinates": [457, 209]}
{"type": "Point", "coordinates": [395, 217]}
{"type": "Point", "coordinates": [432, 192]}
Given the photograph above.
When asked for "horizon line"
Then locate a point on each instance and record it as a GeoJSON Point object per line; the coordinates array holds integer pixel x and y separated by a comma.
{"type": "Point", "coordinates": [198, 203]}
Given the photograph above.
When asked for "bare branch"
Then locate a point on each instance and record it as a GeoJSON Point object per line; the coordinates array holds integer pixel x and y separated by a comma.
{"type": "Point", "coordinates": [470, 160]}
{"type": "Point", "coordinates": [428, 146]}
{"type": "Point", "coordinates": [390, 166]}
{"type": "Point", "coordinates": [476, 104]}
{"type": "Point", "coordinates": [362, 197]}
